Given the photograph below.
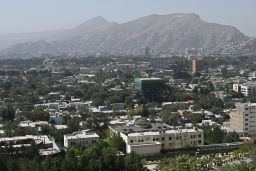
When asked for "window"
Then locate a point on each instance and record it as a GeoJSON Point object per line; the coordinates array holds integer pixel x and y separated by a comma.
{"type": "Point", "coordinates": [154, 139]}
{"type": "Point", "coordinates": [131, 141]}
{"type": "Point", "coordinates": [199, 141]}
{"type": "Point", "coordinates": [162, 138]}
{"type": "Point", "coordinates": [199, 135]}
{"type": "Point", "coordinates": [170, 138]}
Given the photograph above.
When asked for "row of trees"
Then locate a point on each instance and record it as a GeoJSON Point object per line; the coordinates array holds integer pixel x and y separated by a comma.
{"type": "Point", "coordinates": [215, 135]}
{"type": "Point", "coordinates": [103, 156]}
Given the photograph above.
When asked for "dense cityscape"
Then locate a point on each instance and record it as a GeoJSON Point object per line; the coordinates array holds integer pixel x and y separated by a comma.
{"type": "Point", "coordinates": [169, 92]}
{"type": "Point", "coordinates": [141, 112]}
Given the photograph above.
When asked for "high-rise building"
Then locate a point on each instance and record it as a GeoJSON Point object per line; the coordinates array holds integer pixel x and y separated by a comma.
{"type": "Point", "coordinates": [243, 119]}
{"type": "Point", "coordinates": [197, 66]}
{"type": "Point", "coordinates": [151, 89]}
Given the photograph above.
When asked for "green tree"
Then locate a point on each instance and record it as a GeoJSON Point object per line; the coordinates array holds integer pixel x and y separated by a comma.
{"type": "Point", "coordinates": [231, 137]}
{"type": "Point", "coordinates": [39, 114]}
{"type": "Point", "coordinates": [7, 112]}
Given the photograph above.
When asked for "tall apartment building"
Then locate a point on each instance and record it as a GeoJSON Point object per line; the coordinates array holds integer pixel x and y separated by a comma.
{"type": "Point", "coordinates": [243, 119]}
{"type": "Point", "coordinates": [247, 89]}
{"type": "Point", "coordinates": [150, 138]}
{"type": "Point", "coordinates": [197, 66]}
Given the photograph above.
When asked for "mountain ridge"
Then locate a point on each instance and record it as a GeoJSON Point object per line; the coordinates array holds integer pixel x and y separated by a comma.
{"type": "Point", "coordinates": [178, 31]}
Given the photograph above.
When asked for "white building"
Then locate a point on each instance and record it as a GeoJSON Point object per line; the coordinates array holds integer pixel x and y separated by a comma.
{"type": "Point", "coordinates": [247, 89]}
{"type": "Point", "coordinates": [150, 138]}
{"type": "Point", "coordinates": [80, 138]}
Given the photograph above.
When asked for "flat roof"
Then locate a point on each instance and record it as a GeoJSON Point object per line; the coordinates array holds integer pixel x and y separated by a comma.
{"type": "Point", "coordinates": [135, 134]}
{"type": "Point", "coordinates": [81, 135]}
{"type": "Point", "coordinates": [143, 79]}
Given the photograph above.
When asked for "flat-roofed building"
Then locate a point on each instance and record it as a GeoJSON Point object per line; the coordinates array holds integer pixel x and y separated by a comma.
{"type": "Point", "coordinates": [81, 138]}
{"type": "Point", "coordinates": [150, 138]}
{"type": "Point", "coordinates": [247, 88]}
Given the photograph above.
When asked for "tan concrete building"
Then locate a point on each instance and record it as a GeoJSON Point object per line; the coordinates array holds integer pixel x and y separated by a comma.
{"type": "Point", "coordinates": [243, 119]}
{"type": "Point", "coordinates": [197, 65]}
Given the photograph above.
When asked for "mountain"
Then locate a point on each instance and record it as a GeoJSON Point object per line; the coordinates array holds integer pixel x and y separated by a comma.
{"type": "Point", "coordinates": [178, 31]}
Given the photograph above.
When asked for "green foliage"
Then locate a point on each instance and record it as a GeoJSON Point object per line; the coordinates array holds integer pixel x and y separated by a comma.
{"type": "Point", "coordinates": [215, 135]}
{"type": "Point", "coordinates": [7, 112]}
{"type": "Point", "coordinates": [242, 166]}
{"type": "Point", "coordinates": [171, 118]}
{"type": "Point", "coordinates": [39, 115]}
{"type": "Point", "coordinates": [180, 163]}
{"type": "Point", "coordinates": [115, 141]}
{"type": "Point", "coordinates": [209, 103]}
{"type": "Point", "coordinates": [73, 124]}
{"type": "Point", "coordinates": [101, 156]}
{"type": "Point", "coordinates": [196, 118]}
{"type": "Point", "coordinates": [182, 75]}
{"type": "Point", "coordinates": [142, 111]}
{"type": "Point", "coordinates": [231, 137]}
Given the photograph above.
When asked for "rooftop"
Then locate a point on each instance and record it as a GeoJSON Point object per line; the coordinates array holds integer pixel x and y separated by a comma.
{"type": "Point", "coordinates": [150, 127]}
{"type": "Point", "coordinates": [81, 135]}
{"type": "Point", "coordinates": [144, 79]}
{"type": "Point", "coordinates": [135, 134]}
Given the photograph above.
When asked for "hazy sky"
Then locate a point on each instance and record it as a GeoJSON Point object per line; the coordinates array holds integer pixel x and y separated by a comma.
{"type": "Point", "coordinates": [41, 15]}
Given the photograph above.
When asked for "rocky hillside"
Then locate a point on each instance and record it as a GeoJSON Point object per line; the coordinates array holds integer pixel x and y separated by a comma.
{"type": "Point", "coordinates": [178, 31]}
